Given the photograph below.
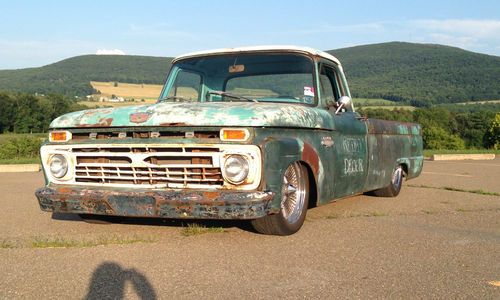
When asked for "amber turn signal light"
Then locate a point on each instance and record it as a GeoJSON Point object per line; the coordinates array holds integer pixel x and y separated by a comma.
{"type": "Point", "coordinates": [234, 134]}
{"type": "Point", "coordinates": [59, 136]}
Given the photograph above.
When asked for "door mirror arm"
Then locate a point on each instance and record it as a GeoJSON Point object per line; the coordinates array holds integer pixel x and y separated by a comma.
{"type": "Point", "coordinates": [344, 102]}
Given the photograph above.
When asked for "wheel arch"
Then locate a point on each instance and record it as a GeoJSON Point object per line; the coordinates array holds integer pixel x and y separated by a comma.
{"type": "Point", "coordinates": [313, 185]}
{"type": "Point", "coordinates": [404, 163]}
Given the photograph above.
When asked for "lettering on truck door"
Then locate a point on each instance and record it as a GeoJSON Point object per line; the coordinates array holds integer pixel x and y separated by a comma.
{"type": "Point", "coordinates": [349, 136]}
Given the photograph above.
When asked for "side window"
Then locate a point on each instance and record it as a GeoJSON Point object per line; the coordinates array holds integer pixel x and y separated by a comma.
{"type": "Point", "coordinates": [187, 85]}
{"type": "Point", "coordinates": [329, 84]}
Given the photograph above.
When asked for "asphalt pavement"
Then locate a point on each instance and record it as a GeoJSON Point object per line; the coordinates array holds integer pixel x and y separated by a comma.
{"type": "Point", "coordinates": [440, 238]}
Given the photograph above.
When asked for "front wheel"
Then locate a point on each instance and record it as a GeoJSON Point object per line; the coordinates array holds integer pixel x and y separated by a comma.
{"type": "Point", "coordinates": [294, 203]}
{"type": "Point", "coordinates": [393, 189]}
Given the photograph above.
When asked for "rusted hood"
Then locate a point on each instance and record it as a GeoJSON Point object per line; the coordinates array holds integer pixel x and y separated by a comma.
{"type": "Point", "coordinates": [199, 114]}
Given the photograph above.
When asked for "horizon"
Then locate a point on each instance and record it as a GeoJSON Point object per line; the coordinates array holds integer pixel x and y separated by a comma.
{"type": "Point", "coordinates": [325, 50]}
{"type": "Point", "coordinates": [34, 34]}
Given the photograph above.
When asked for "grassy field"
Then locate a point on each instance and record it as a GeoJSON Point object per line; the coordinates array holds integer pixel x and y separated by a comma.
{"type": "Point", "coordinates": [26, 149]}
{"type": "Point", "coordinates": [93, 104]}
{"type": "Point", "coordinates": [127, 90]}
{"type": "Point", "coordinates": [5, 136]}
{"type": "Point", "coordinates": [372, 101]}
{"type": "Point", "coordinates": [379, 103]}
{"type": "Point", "coordinates": [480, 102]}
{"type": "Point", "coordinates": [135, 94]}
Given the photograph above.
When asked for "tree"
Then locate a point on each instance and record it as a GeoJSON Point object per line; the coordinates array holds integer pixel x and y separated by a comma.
{"type": "Point", "coordinates": [492, 136]}
{"type": "Point", "coordinates": [437, 138]}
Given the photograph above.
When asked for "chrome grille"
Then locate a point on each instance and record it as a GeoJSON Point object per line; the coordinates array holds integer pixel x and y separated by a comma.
{"type": "Point", "coordinates": [148, 166]}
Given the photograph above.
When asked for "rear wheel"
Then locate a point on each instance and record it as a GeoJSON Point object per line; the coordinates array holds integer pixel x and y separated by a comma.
{"type": "Point", "coordinates": [393, 189]}
{"type": "Point", "coordinates": [294, 203]}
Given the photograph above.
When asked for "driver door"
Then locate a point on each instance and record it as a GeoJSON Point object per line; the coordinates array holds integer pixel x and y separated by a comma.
{"type": "Point", "coordinates": [349, 136]}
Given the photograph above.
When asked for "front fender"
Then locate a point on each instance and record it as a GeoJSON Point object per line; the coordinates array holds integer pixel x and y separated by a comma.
{"type": "Point", "coordinates": [278, 154]}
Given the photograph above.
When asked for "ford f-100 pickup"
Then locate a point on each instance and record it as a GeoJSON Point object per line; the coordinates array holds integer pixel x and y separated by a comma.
{"type": "Point", "coordinates": [256, 133]}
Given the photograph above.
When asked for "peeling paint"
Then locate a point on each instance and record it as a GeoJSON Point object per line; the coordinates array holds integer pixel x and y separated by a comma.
{"type": "Point", "coordinates": [200, 114]}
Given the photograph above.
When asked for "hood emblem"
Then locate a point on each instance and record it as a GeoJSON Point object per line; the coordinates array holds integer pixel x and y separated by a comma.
{"type": "Point", "coordinates": [139, 117]}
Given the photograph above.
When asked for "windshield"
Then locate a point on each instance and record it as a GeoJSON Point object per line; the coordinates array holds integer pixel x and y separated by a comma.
{"type": "Point", "coordinates": [242, 77]}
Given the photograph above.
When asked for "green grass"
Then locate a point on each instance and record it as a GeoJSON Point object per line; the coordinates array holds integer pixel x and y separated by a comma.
{"type": "Point", "coordinates": [6, 136]}
{"type": "Point", "coordinates": [61, 242]}
{"type": "Point", "coordinates": [372, 102]}
{"type": "Point", "coordinates": [380, 103]}
{"type": "Point", "coordinates": [429, 153]}
{"type": "Point", "coordinates": [4, 244]}
{"type": "Point", "coordinates": [20, 161]}
{"type": "Point", "coordinates": [448, 188]}
{"type": "Point", "coordinates": [196, 229]}
{"type": "Point", "coordinates": [375, 214]}
{"type": "Point", "coordinates": [391, 107]}
{"type": "Point", "coordinates": [357, 215]}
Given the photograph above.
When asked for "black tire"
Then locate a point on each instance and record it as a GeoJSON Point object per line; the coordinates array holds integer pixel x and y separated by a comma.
{"type": "Point", "coordinates": [294, 203]}
{"type": "Point", "coordinates": [394, 187]}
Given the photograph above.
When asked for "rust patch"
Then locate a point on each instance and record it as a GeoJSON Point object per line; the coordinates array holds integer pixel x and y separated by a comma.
{"type": "Point", "coordinates": [105, 122]}
{"type": "Point", "coordinates": [165, 204]}
{"type": "Point", "coordinates": [310, 156]}
{"type": "Point", "coordinates": [211, 195]}
{"type": "Point", "coordinates": [65, 190]}
{"type": "Point", "coordinates": [139, 117]}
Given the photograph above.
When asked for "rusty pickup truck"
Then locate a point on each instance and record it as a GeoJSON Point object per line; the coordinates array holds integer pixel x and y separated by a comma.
{"type": "Point", "coordinates": [255, 133]}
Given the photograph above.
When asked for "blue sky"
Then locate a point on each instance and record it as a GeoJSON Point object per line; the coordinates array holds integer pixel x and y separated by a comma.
{"type": "Point", "coordinates": [36, 33]}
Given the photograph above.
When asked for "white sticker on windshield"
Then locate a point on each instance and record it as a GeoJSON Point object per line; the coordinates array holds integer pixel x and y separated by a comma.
{"type": "Point", "coordinates": [309, 91]}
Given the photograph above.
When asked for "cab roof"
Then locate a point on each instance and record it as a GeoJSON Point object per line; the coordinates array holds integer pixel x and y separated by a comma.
{"type": "Point", "coordinates": [272, 48]}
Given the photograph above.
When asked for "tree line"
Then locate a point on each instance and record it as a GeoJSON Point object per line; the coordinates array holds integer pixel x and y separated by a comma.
{"type": "Point", "coordinates": [442, 128]}
{"type": "Point", "coordinates": [26, 113]}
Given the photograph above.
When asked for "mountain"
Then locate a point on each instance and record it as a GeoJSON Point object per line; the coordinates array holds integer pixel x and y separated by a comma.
{"type": "Point", "coordinates": [420, 72]}
{"type": "Point", "coordinates": [417, 73]}
{"type": "Point", "coordinates": [72, 76]}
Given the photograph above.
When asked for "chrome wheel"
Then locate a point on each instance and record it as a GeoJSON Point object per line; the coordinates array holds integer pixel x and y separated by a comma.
{"type": "Point", "coordinates": [293, 193]}
{"type": "Point", "coordinates": [397, 177]}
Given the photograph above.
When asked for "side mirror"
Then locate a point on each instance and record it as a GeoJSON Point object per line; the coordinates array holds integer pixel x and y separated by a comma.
{"type": "Point", "coordinates": [344, 102]}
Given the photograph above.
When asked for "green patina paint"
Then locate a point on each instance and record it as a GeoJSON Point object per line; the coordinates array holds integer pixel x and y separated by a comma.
{"type": "Point", "coordinates": [345, 154]}
{"type": "Point", "coordinates": [201, 114]}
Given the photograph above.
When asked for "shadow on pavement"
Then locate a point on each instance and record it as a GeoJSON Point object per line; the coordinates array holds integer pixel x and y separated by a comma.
{"type": "Point", "coordinates": [99, 219]}
{"type": "Point", "coordinates": [109, 279]}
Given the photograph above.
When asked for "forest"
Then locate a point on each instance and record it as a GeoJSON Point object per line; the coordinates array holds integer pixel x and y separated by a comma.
{"type": "Point", "coordinates": [442, 128]}
{"type": "Point", "coordinates": [420, 75]}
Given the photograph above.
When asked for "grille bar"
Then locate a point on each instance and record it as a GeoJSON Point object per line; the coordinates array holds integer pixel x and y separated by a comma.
{"type": "Point", "coordinates": [175, 167]}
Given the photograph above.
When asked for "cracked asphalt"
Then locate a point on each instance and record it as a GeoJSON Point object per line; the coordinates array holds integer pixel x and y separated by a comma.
{"type": "Point", "coordinates": [429, 242]}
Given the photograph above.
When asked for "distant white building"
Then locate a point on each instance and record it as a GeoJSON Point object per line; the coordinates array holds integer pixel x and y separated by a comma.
{"type": "Point", "coordinates": [117, 99]}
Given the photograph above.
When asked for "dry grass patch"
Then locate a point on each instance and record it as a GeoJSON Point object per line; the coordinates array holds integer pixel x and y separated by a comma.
{"type": "Point", "coordinates": [196, 229]}
{"type": "Point", "coordinates": [127, 90]}
{"type": "Point", "coordinates": [448, 188]}
{"type": "Point", "coordinates": [5, 244]}
{"type": "Point", "coordinates": [61, 242]}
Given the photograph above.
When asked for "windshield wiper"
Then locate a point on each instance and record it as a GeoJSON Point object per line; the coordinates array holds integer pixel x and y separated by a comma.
{"type": "Point", "coordinates": [176, 99]}
{"type": "Point", "coordinates": [226, 94]}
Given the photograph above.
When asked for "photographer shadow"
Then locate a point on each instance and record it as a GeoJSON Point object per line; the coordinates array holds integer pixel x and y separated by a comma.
{"type": "Point", "coordinates": [109, 279]}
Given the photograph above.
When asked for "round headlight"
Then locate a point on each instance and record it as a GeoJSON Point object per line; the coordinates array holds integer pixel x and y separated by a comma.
{"type": "Point", "coordinates": [236, 169]}
{"type": "Point", "coordinates": [58, 165]}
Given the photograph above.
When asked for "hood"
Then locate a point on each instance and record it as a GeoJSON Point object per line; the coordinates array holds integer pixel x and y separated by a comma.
{"type": "Point", "coordinates": [199, 114]}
